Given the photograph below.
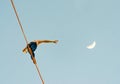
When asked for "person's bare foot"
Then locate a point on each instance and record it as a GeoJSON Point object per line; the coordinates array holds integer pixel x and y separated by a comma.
{"type": "Point", "coordinates": [56, 41]}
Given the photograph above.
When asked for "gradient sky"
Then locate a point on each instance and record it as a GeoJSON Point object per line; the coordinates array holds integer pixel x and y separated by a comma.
{"type": "Point", "coordinates": [76, 24]}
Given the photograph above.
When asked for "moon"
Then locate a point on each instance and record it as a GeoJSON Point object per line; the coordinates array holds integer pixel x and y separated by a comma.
{"type": "Point", "coordinates": [91, 46]}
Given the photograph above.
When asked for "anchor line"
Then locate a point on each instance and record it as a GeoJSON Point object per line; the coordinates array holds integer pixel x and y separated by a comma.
{"type": "Point", "coordinates": [29, 49]}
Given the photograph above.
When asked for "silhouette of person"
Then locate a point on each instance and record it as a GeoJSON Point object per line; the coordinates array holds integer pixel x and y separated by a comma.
{"type": "Point", "coordinates": [33, 46]}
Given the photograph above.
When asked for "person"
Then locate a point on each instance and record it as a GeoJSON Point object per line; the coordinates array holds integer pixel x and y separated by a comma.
{"type": "Point", "coordinates": [32, 46]}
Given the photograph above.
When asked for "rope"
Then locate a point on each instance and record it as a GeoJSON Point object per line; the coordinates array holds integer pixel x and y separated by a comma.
{"type": "Point", "coordinates": [29, 49]}
{"type": "Point", "coordinates": [19, 21]}
{"type": "Point", "coordinates": [39, 73]}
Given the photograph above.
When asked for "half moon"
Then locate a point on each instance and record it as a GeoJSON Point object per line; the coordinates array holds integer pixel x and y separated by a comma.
{"type": "Point", "coordinates": [91, 46]}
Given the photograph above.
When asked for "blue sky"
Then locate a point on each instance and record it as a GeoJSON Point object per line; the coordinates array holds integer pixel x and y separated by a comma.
{"type": "Point", "coordinates": [76, 24]}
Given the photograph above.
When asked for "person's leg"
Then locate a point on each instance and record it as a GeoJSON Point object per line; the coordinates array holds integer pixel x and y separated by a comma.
{"type": "Point", "coordinates": [33, 54]}
{"type": "Point", "coordinates": [25, 50]}
{"type": "Point", "coordinates": [45, 41]}
{"type": "Point", "coordinates": [33, 58]}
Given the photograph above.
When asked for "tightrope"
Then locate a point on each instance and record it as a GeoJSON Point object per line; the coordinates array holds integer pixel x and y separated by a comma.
{"type": "Point", "coordinates": [29, 49]}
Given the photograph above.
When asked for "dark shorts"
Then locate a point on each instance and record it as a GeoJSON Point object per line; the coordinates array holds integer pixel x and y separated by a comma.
{"type": "Point", "coordinates": [33, 47]}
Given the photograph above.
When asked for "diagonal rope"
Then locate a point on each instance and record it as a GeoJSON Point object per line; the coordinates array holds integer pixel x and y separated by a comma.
{"type": "Point", "coordinates": [39, 73]}
{"type": "Point", "coordinates": [29, 49]}
{"type": "Point", "coordinates": [19, 21]}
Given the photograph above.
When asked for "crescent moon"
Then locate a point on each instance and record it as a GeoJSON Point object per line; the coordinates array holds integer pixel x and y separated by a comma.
{"type": "Point", "coordinates": [91, 46]}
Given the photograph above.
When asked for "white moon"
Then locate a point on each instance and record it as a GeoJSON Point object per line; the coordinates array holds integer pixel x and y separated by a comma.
{"type": "Point", "coordinates": [91, 46]}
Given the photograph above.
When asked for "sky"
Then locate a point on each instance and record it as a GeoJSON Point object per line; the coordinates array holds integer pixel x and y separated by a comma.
{"type": "Point", "coordinates": [76, 24]}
